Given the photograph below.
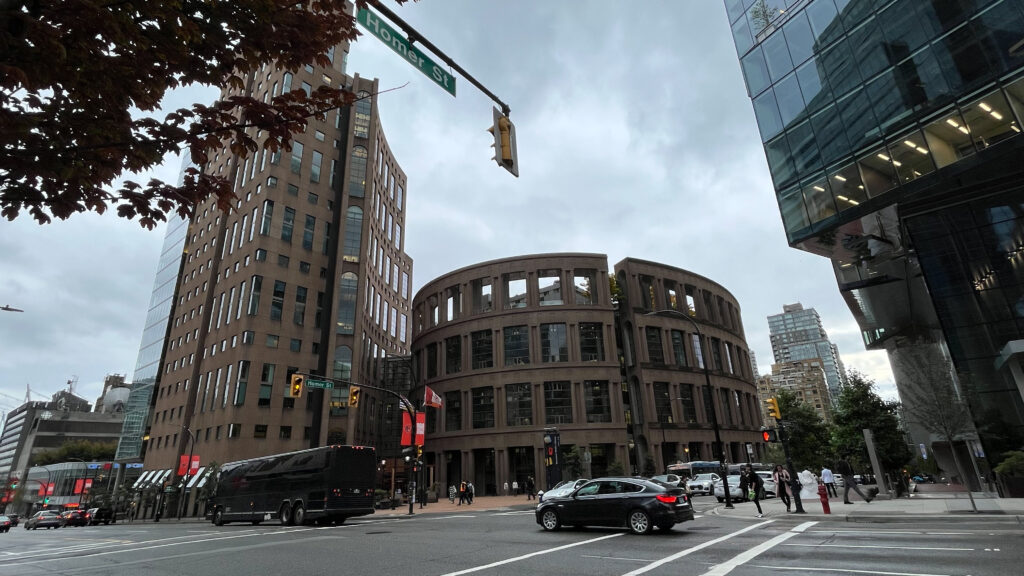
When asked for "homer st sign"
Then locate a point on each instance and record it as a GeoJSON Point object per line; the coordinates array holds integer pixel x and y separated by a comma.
{"type": "Point", "coordinates": [389, 36]}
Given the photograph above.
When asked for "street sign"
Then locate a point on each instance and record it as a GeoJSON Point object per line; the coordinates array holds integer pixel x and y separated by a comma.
{"type": "Point", "coordinates": [405, 49]}
{"type": "Point", "coordinates": [311, 383]}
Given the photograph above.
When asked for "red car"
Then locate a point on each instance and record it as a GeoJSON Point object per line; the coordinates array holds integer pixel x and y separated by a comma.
{"type": "Point", "coordinates": [73, 518]}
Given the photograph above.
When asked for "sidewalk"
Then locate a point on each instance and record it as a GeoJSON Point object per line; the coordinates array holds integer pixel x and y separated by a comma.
{"type": "Point", "coordinates": [948, 505]}
{"type": "Point", "coordinates": [480, 503]}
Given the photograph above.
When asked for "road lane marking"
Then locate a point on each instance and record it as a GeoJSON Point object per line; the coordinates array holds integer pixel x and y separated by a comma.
{"type": "Point", "coordinates": [790, 569]}
{"type": "Point", "coordinates": [696, 548]}
{"type": "Point", "coordinates": [880, 547]}
{"type": "Point", "coordinates": [615, 558]}
{"type": "Point", "coordinates": [886, 532]}
{"type": "Point", "coordinates": [531, 555]}
{"type": "Point", "coordinates": [744, 557]}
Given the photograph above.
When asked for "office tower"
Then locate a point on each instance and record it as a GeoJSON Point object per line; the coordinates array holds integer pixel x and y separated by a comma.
{"type": "Point", "coordinates": [306, 273]}
{"type": "Point", "coordinates": [154, 333]}
{"type": "Point", "coordinates": [892, 133]}
{"type": "Point", "coordinates": [797, 334]}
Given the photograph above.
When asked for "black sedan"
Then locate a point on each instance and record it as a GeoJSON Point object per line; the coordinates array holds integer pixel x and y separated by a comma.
{"type": "Point", "coordinates": [636, 503]}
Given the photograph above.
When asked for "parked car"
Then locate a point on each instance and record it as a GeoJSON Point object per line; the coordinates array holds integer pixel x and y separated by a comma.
{"type": "Point", "coordinates": [563, 487]}
{"type": "Point", "coordinates": [637, 503]}
{"type": "Point", "coordinates": [5, 524]}
{"type": "Point", "coordinates": [15, 518]}
{"type": "Point", "coordinates": [702, 483]}
{"type": "Point", "coordinates": [99, 516]}
{"type": "Point", "coordinates": [43, 519]}
{"type": "Point", "coordinates": [735, 493]}
{"type": "Point", "coordinates": [769, 489]}
{"type": "Point", "coordinates": [73, 518]}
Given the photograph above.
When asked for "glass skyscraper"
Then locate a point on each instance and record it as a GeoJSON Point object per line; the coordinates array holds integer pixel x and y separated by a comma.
{"type": "Point", "coordinates": [892, 133]}
{"type": "Point", "coordinates": [797, 334]}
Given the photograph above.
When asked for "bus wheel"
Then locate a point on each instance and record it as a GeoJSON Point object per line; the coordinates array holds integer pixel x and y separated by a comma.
{"type": "Point", "coordinates": [299, 514]}
{"type": "Point", "coordinates": [218, 517]}
{"type": "Point", "coordinates": [286, 514]}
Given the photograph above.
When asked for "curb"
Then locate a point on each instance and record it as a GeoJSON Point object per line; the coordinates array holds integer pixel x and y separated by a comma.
{"type": "Point", "coordinates": [995, 517]}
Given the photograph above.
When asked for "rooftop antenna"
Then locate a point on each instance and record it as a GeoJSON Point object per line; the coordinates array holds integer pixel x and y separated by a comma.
{"type": "Point", "coordinates": [71, 384]}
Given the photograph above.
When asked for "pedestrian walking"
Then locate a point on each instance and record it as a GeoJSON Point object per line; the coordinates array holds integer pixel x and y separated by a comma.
{"type": "Point", "coordinates": [506, 488]}
{"type": "Point", "coordinates": [470, 492]}
{"type": "Point", "coordinates": [452, 491]}
{"type": "Point", "coordinates": [529, 488]}
{"type": "Point", "coordinates": [751, 484]}
{"type": "Point", "coordinates": [846, 471]}
{"type": "Point", "coordinates": [515, 488]}
{"type": "Point", "coordinates": [462, 492]}
{"type": "Point", "coordinates": [783, 485]}
{"type": "Point", "coordinates": [829, 480]}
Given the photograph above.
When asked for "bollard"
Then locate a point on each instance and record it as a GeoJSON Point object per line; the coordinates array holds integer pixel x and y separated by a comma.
{"type": "Point", "coordinates": [823, 495]}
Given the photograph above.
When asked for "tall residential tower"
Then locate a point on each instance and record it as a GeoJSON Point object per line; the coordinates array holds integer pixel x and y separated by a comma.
{"type": "Point", "coordinates": [797, 334]}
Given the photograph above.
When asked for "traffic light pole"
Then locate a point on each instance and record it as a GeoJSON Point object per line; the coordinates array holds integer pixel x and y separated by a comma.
{"type": "Point", "coordinates": [793, 482]}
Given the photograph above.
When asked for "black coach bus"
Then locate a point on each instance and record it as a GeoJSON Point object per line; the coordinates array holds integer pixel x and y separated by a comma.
{"type": "Point", "coordinates": [325, 484]}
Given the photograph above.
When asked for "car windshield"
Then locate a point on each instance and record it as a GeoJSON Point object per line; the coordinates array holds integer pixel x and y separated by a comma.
{"type": "Point", "coordinates": [703, 477]}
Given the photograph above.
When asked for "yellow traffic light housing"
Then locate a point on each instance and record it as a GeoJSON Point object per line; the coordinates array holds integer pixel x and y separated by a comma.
{"type": "Point", "coordinates": [504, 132]}
{"type": "Point", "coordinates": [298, 381]}
{"type": "Point", "coordinates": [773, 408]}
{"type": "Point", "coordinates": [353, 396]}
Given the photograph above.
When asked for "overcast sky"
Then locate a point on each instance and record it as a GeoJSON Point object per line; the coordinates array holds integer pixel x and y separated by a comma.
{"type": "Point", "coordinates": [635, 136]}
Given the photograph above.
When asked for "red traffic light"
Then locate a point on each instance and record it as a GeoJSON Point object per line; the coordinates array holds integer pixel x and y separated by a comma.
{"type": "Point", "coordinates": [769, 435]}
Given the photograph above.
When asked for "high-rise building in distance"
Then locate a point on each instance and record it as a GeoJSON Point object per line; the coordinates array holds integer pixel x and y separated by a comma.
{"type": "Point", "coordinates": [797, 334]}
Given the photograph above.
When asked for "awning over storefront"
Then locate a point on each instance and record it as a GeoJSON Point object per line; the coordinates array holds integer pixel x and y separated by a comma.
{"type": "Point", "coordinates": [142, 479]}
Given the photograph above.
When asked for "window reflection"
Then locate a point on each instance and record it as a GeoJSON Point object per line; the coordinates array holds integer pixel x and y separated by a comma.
{"type": "Point", "coordinates": [949, 139]}
{"type": "Point", "coordinates": [990, 119]}
{"type": "Point", "coordinates": [877, 172]}
{"type": "Point", "coordinates": [847, 187]}
{"type": "Point", "coordinates": [911, 156]}
{"type": "Point", "coordinates": [791, 205]}
{"type": "Point", "coordinates": [818, 197]}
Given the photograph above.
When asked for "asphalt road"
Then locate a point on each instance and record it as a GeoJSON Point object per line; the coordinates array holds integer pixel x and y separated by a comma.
{"type": "Point", "coordinates": [491, 543]}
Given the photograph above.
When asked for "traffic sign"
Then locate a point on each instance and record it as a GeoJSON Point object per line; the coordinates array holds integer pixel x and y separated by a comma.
{"type": "Point", "coordinates": [311, 383]}
{"type": "Point", "coordinates": [405, 49]}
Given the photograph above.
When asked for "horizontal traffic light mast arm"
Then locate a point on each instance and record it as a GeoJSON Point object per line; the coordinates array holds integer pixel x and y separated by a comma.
{"type": "Point", "coordinates": [410, 408]}
{"type": "Point", "coordinates": [415, 36]}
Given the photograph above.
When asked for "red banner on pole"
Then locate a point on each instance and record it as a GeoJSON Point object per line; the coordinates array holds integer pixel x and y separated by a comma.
{"type": "Point", "coordinates": [194, 468]}
{"type": "Point", "coordinates": [79, 482]}
{"type": "Point", "coordinates": [421, 427]}
{"type": "Point", "coordinates": [406, 429]}
{"type": "Point", "coordinates": [49, 489]}
{"type": "Point", "coordinates": [182, 464]}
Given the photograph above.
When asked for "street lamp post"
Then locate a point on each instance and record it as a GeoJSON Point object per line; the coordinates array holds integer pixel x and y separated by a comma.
{"type": "Point", "coordinates": [710, 392]}
{"type": "Point", "coordinates": [188, 469]}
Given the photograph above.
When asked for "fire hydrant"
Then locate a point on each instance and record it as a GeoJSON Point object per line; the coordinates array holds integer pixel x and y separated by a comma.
{"type": "Point", "coordinates": [823, 495]}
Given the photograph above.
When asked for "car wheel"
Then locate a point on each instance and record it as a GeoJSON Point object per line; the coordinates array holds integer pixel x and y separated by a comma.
{"type": "Point", "coordinates": [639, 522]}
{"type": "Point", "coordinates": [218, 517]}
{"type": "Point", "coordinates": [299, 515]}
{"type": "Point", "coordinates": [549, 520]}
{"type": "Point", "coordinates": [285, 514]}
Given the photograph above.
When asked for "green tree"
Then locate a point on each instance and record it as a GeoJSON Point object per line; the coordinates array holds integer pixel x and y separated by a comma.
{"type": "Point", "coordinates": [806, 433]}
{"type": "Point", "coordinates": [77, 449]}
{"type": "Point", "coordinates": [649, 469]}
{"type": "Point", "coordinates": [572, 462]}
{"type": "Point", "coordinates": [82, 84]}
{"type": "Point", "coordinates": [615, 468]}
{"type": "Point", "coordinates": [860, 407]}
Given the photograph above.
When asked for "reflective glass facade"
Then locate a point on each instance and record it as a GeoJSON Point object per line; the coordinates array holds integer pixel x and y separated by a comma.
{"type": "Point", "coordinates": [892, 134]}
{"type": "Point", "coordinates": [857, 98]}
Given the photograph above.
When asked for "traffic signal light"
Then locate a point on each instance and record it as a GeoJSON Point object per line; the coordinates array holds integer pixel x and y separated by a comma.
{"type": "Point", "coordinates": [353, 396]}
{"type": "Point", "coordinates": [769, 435]}
{"type": "Point", "coordinates": [773, 408]}
{"type": "Point", "coordinates": [504, 132]}
{"type": "Point", "coordinates": [298, 381]}
{"type": "Point", "coordinates": [419, 452]}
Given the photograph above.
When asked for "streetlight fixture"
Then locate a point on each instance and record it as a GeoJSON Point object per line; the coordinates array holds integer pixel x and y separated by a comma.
{"type": "Point", "coordinates": [710, 392]}
{"type": "Point", "coordinates": [188, 469]}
